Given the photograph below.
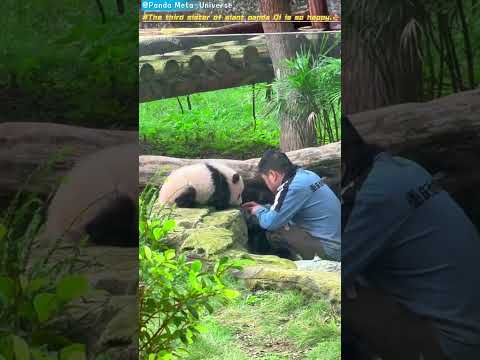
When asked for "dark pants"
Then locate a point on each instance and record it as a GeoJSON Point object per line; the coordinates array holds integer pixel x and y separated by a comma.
{"type": "Point", "coordinates": [296, 242]}
{"type": "Point", "coordinates": [386, 328]}
{"type": "Point", "coordinates": [286, 243]}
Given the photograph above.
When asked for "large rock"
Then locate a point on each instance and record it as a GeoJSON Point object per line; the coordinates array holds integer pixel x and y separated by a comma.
{"type": "Point", "coordinates": [315, 283]}
{"type": "Point", "coordinates": [106, 319]}
{"type": "Point", "coordinates": [209, 241]}
{"type": "Point", "coordinates": [207, 234]}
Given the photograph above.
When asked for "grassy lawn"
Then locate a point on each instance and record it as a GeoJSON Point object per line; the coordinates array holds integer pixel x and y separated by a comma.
{"type": "Point", "coordinates": [270, 325]}
{"type": "Point", "coordinates": [219, 124]}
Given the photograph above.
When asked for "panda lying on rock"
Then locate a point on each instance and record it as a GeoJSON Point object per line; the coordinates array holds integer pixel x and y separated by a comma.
{"type": "Point", "coordinates": [211, 184]}
{"type": "Point", "coordinates": [99, 198]}
{"type": "Point", "coordinates": [214, 184]}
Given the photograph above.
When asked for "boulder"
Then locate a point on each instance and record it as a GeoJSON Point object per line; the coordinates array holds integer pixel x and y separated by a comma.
{"type": "Point", "coordinates": [314, 283]}
{"type": "Point", "coordinates": [205, 233]}
{"type": "Point", "coordinates": [209, 234]}
{"type": "Point", "coordinates": [105, 319]}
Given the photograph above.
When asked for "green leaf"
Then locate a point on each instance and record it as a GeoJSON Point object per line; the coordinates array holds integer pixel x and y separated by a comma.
{"type": "Point", "coordinates": [72, 287]}
{"type": "Point", "coordinates": [231, 294]}
{"type": "Point", "coordinates": [7, 290]}
{"type": "Point", "coordinates": [184, 339]}
{"type": "Point", "coordinates": [170, 254]}
{"type": "Point", "coordinates": [45, 305]}
{"type": "Point", "coordinates": [169, 225]}
{"type": "Point", "coordinates": [73, 352]}
{"type": "Point", "coordinates": [196, 266]}
{"type": "Point", "coordinates": [20, 348]}
{"type": "Point", "coordinates": [36, 284]}
{"type": "Point", "coordinates": [201, 328]}
{"type": "Point", "coordinates": [148, 252]}
{"type": "Point", "coordinates": [158, 233]}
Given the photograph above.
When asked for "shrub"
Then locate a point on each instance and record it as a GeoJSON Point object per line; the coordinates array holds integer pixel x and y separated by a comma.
{"type": "Point", "coordinates": [33, 291]}
{"type": "Point", "coordinates": [175, 291]}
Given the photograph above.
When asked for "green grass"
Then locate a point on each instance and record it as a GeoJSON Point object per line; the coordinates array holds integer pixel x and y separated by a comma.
{"type": "Point", "coordinates": [220, 123]}
{"type": "Point", "coordinates": [60, 63]}
{"type": "Point", "coordinates": [270, 325]}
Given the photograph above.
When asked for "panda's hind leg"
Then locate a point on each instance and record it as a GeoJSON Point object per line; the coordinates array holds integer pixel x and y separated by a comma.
{"type": "Point", "coordinates": [187, 199]}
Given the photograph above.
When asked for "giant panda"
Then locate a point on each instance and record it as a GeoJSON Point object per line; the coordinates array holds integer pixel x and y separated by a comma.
{"type": "Point", "coordinates": [211, 184]}
{"type": "Point", "coordinates": [98, 199]}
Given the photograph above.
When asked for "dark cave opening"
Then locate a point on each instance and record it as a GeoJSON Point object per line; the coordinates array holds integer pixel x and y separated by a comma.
{"type": "Point", "coordinates": [257, 239]}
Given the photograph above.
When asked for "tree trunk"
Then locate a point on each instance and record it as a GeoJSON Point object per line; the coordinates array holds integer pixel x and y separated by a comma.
{"type": "Point", "coordinates": [318, 7]}
{"type": "Point", "coordinates": [294, 134]}
{"type": "Point", "coordinates": [378, 72]}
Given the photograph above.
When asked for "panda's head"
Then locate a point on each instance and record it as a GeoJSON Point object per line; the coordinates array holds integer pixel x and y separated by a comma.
{"type": "Point", "coordinates": [224, 176]}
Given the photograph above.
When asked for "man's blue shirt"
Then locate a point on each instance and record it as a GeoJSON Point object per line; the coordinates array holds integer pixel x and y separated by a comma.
{"type": "Point", "coordinates": [408, 237]}
{"type": "Point", "coordinates": [304, 200]}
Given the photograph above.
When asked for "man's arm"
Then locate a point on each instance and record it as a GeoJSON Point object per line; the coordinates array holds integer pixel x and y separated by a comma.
{"type": "Point", "coordinates": [288, 202]}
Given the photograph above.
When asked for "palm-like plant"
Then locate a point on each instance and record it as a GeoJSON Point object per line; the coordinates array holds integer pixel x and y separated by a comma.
{"type": "Point", "coordinates": [314, 84]}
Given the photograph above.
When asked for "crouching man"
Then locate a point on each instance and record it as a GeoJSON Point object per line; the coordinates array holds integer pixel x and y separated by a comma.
{"type": "Point", "coordinates": [305, 219]}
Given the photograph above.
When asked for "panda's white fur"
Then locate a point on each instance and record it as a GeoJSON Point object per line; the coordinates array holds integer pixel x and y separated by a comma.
{"type": "Point", "coordinates": [94, 184]}
{"type": "Point", "coordinates": [226, 183]}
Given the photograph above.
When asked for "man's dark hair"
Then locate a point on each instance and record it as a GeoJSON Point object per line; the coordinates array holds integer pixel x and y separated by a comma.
{"type": "Point", "coordinates": [276, 161]}
{"type": "Point", "coordinates": [357, 155]}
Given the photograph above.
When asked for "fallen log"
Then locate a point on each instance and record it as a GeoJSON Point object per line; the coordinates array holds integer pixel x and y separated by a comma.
{"type": "Point", "coordinates": [26, 146]}
{"type": "Point", "coordinates": [442, 134]}
{"type": "Point", "coordinates": [324, 160]}
{"type": "Point", "coordinates": [409, 125]}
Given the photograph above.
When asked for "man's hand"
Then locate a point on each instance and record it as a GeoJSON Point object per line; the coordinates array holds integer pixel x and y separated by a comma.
{"type": "Point", "coordinates": [251, 207]}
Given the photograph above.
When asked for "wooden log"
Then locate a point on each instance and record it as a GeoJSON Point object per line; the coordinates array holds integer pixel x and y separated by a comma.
{"type": "Point", "coordinates": [442, 134]}
{"type": "Point", "coordinates": [171, 69]}
{"type": "Point", "coordinates": [407, 126]}
{"type": "Point", "coordinates": [147, 72]}
{"type": "Point", "coordinates": [324, 160]}
{"type": "Point", "coordinates": [222, 79]}
{"type": "Point", "coordinates": [25, 146]}
{"type": "Point", "coordinates": [250, 55]}
{"type": "Point", "coordinates": [223, 62]}
{"type": "Point", "coordinates": [196, 64]}
{"type": "Point", "coordinates": [222, 56]}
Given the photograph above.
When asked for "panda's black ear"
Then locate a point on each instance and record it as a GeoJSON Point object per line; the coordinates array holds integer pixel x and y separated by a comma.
{"type": "Point", "coordinates": [235, 178]}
